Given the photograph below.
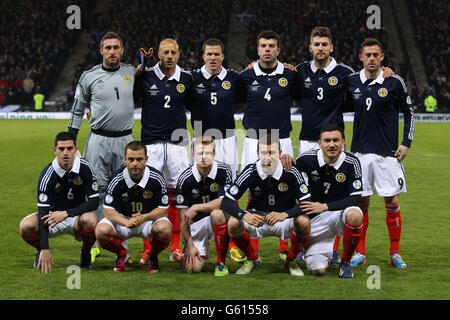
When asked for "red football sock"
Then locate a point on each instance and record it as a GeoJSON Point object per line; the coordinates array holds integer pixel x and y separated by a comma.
{"type": "Point", "coordinates": [173, 216]}
{"type": "Point", "coordinates": [114, 245]}
{"type": "Point", "coordinates": [361, 247]}
{"type": "Point", "coordinates": [254, 243]}
{"type": "Point", "coordinates": [298, 241]}
{"type": "Point", "coordinates": [283, 245]}
{"type": "Point", "coordinates": [394, 224]}
{"type": "Point", "coordinates": [158, 244]}
{"type": "Point", "coordinates": [147, 245]}
{"type": "Point", "coordinates": [352, 234]}
{"type": "Point", "coordinates": [337, 240]}
{"type": "Point", "coordinates": [88, 239]}
{"type": "Point", "coordinates": [33, 239]}
{"type": "Point", "coordinates": [222, 239]}
{"type": "Point", "coordinates": [231, 244]}
{"type": "Point", "coordinates": [243, 242]}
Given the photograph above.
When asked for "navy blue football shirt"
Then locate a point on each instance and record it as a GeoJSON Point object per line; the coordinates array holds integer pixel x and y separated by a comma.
{"type": "Point", "coordinates": [278, 192]}
{"type": "Point", "coordinates": [59, 190]}
{"type": "Point", "coordinates": [164, 103]}
{"type": "Point", "coordinates": [322, 92]}
{"type": "Point", "coordinates": [128, 197]}
{"type": "Point", "coordinates": [193, 189]}
{"type": "Point", "coordinates": [377, 103]}
{"type": "Point", "coordinates": [331, 183]}
{"type": "Point", "coordinates": [213, 100]}
{"type": "Point", "coordinates": [268, 98]}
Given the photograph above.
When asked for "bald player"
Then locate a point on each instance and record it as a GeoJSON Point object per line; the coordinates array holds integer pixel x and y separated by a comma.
{"type": "Point", "coordinates": [107, 90]}
{"type": "Point", "coordinates": [165, 89]}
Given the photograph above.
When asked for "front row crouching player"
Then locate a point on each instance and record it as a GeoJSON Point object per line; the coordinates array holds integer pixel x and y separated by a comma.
{"type": "Point", "coordinates": [335, 184]}
{"type": "Point", "coordinates": [200, 190]}
{"type": "Point", "coordinates": [273, 192]}
{"type": "Point", "coordinates": [136, 203]}
{"type": "Point", "coordinates": [63, 187]}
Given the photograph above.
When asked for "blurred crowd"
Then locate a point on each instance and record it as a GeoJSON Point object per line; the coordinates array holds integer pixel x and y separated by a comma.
{"type": "Point", "coordinates": [34, 46]}
{"type": "Point", "coordinates": [35, 42]}
{"type": "Point", "coordinates": [431, 27]}
{"type": "Point", "coordinates": [146, 23]}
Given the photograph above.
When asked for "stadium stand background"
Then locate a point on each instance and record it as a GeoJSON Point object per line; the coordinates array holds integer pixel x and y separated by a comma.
{"type": "Point", "coordinates": [35, 43]}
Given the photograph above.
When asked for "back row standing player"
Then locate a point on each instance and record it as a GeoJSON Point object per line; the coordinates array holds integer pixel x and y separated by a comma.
{"type": "Point", "coordinates": [375, 141]}
{"type": "Point", "coordinates": [165, 89]}
{"type": "Point", "coordinates": [107, 89]}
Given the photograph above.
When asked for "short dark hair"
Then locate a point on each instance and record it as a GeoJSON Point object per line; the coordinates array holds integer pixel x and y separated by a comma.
{"type": "Point", "coordinates": [331, 127]}
{"type": "Point", "coordinates": [111, 35]}
{"type": "Point", "coordinates": [65, 136]}
{"type": "Point", "coordinates": [136, 146]}
{"type": "Point", "coordinates": [269, 34]}
{"type": "Point", "coordinates": [321, 31]}
{"type": "Point", "coordinates": [268, 139]}
{"type": "Point", "coordinates": [213, 42]}
{"type": "Point", "coordinates": [368, 42]}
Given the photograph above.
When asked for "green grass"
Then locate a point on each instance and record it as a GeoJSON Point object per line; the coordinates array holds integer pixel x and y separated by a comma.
{"type": "Point", "coordinates": [25, 148]}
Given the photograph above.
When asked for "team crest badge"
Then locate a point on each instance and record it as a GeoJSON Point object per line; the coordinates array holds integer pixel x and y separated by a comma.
{"type": "Point", "coordinates": [214, 187]}
{"type": "Point", "coordinates": [283, 187]}
{"type": "Point", "coordinates": [126, 78]}
{"type": "Point", "coordinates": [180, 199]}
{"type": "Point", "coordinates": [43, 197]}
{"type": "Point", "coordinates": [304, 188]}
{"type": "Point", "coordinates": [165, 199]}
{"type": "Point", "coordinates": [77, 181]}
{"type": "Point", "coordinates": [332, 81]}
{"type": "Point", "coordinates": [357, 184]}
{"type": "Point", "coordinates": [340, 177]}
{"type": "Point", "coordinates": [180, 88]}
{"type": "Point", "coordinates": [108, 199]}
{"type": "Point", "coordinates": [382, 92]}
{"type": "Point", "coordinates": [95, 186]}
{"type": "Point", "coordinates": [147, 194]}
{"type": "Point", "coordinates": [226, 85]}
{"type": "Point", "coordinates": [234, 190]}
{"type": "Point", "coordinates": [408, 100]}
{"type": "Point", "coordinates": [283, 82]}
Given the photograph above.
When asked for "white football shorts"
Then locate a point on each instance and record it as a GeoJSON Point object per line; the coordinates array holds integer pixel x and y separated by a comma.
{"type": "Point", "coordinates": [143, 231]}
{"type": "Point", "coordinates": [383, 175]}
{"type": "Point", "coordinates": [324, 228]}
{"type": "Point", "coordinates": [201, 232]}
{"type": "Point", "coordinates": [169, 159]}
{"type": "Point", "coordinates": [281, 229]}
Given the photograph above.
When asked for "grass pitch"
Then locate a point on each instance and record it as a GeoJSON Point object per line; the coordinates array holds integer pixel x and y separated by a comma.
{"type": "Point", "coordinates": [25, 148]}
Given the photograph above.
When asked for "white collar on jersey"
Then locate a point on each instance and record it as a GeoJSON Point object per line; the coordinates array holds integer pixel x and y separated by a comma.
{"type": "Point", "coordinates": [259, 72]}
{"type": "Point", "coordinates": [336, 164]}
{"type": "Point", "coordinates": [379, 79]}
{"type": "Point", "coordinates": [61, 172]}
{"type": "Point", "coordinates": [130, 183]}
{"type": "Point", "coordinates": [328, 69]}
{"type": "Point", "coordinates": [222, 74]}
{"type": "Point", "coordinates": [212, 174]}
{"type": "Point", "coordinates": [276, 175]}
{"type": "Point", "coordinates": [160, 75]}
